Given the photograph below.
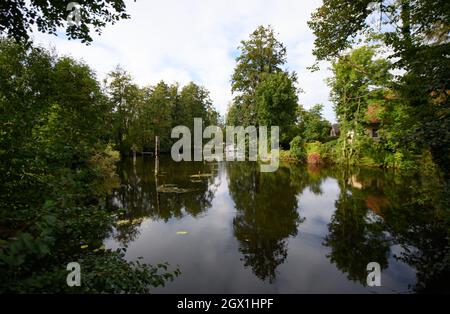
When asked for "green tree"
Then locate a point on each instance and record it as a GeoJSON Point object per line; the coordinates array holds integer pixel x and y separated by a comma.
{"type": "Point", "coordinates": [417, 32]}
{"type": "Point", "coordinates": [54, 160]}
{"type": "Point", "coordinates": [232, 115]}
{"type": "Point", "coordinates": [161, 101]}
{"type": "Point", "coordinates": [18, 17]}
{"type": "Point", "coordinates": [359, 79]}
{"type": "Point", "coordinates": [355, 76]}
{"type": "Point", "coordinates": [260, 55]}
{"type": "Point", "coordinates": [139, 114]}
{"type": "Point", "coordinates": [125, 98]}
{"type": "Point", "coordinates": [25, 96]}
{"type": "Point", "coordinates": [276, 104]}
{"type": "Point", "coordinates": [196, 103]}
{"type": "Point", "coordinates": [80, 106]}
{"type": "Point", "coordinates": [311, 124]}
{"type": "Point", "coordinates": [297, 148]}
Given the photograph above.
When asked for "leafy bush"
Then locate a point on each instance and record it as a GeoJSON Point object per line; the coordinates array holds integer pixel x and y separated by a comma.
{"type": "Point", "coordinates": [314, 151]}
{"type": "Point", "coordinates": [314, 158]}
{"type": "Point", "coordinates": [102, 271]}
{"type": "Point", "coordinates": [297, 148]}
{"type": "Point", "coordinates": [103, 163]}
{"type": "Point", "coordinates": [329, 152]}
{"type": "Point", "coordinates": [54, 161]}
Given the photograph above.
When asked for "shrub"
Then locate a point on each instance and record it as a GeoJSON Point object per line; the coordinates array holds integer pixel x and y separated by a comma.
{"type": "Point", "coordinates": [297, 148]}
{"type": "Point", "coordinates": [103, 163]}
{"type": "Point", "coordinates": [314, 152]}
{"type": "Point", "coordinates": [329, 151]}
{"type": "Point", "coordinates": [314, 158]}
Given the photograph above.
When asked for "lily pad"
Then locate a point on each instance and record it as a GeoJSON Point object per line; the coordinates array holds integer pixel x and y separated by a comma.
{"type": "Point", "coordinates": [172, 188]}
{"type": "Point", "coordinates": [130, 222]}
{"type": "Point", "coordinates": [202, 175]}
{"type": "Point", "coordinates": [102, 248]}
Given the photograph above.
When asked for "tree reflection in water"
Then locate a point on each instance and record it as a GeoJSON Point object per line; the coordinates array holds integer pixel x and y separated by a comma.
{"type": "Point", "coordinates": [374, 211]}
{"type": "Point", "coordinates": [266, 216]}
{"type": "Point", "coordinates": [356, 235]}
{"type": "Point", "coordinates": [138, 195]}
{"type": "Point", "coordinates": [419, 220]}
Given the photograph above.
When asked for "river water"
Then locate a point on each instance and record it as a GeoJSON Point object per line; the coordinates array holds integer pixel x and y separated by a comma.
{"type": "Point", "coordinates": [233, 229]}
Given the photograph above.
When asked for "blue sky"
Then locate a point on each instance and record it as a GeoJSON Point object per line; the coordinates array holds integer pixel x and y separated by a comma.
{"type": "Point", "coordinates": [197, 40]}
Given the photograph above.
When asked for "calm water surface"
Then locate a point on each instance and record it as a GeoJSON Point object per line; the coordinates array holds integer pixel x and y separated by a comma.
{"type": "Point", "coordinates": [233, 229]}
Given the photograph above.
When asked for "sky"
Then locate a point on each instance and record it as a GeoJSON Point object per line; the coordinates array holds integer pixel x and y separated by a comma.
{"type": "Point", "coordinates": [197, 40]}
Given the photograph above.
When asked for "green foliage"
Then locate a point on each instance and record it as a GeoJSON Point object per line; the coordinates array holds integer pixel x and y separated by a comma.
{"type": "Point", "coordinates": [358, 79]}
{"type": "Point", "coordinates": [318, 152]}
{"type": "Point", "coordinates": [363, 100]}
{"type": "Point", "coordinates": [286, 155]}
{"type": "Point", "coordinates": [157, 107]}
{"type": "Point", "coordinates": [297, 148]}
{"type": "Point", "coordinates": [140, 114]}
{"type": "Point", "coordinates": [20, 17]}
{"type": "Point", "coordinates": [311, 124]}
{"type": "Point", "coordinates": [124, 98]}
{"type": "Point", "coordinates": [260, 62]}
{"type": "Point", "coordinates": [101, 272]}
{"type": "Point", "coordinates": [261, 54]}
{"type": "Point", "coordinates": [264, 93]}
{"type": "Point", "coordinates": [339, 24]}
{"type": "Point", "coordinates": [417, 33]}
{"type": "Point", "coordinates": [103, 162]}
{"type": "Point", "coordinates": [313, 147]}
{"type": "Point", "coordinates": [328, 151]}
{"type": "Point", "coordinates": [276, 103]}
{"type": "Point", "coordinates": [55, 161]}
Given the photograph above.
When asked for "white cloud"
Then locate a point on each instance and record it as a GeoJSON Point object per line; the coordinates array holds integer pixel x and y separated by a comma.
{"type": "Point", "coordinates": [177, 40]}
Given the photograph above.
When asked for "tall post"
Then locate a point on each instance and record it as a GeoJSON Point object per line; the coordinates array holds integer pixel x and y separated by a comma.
{"type": "Point", "coordinates": [156, 154]}
{"type": "Point", "coordinates": [157, 169]}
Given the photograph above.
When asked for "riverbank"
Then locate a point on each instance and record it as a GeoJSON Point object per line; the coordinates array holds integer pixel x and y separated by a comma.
{"type": "Point", "coordinates": [330, 153]}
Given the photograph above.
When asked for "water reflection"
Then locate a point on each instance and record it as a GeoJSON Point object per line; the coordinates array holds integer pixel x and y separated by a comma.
{"type": "Point", "coordinates": [419, 220]}
{"type": "Point", "coordinates": [356, 233]}
{"type": "Point", "coordinates": [248, 230]}
{"type": "Point", "coordinates": [377, 210]}
{"type": "Point", "coordinates": [140, 197]}
{"type": "Point", "coordinates": [266, 216]}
